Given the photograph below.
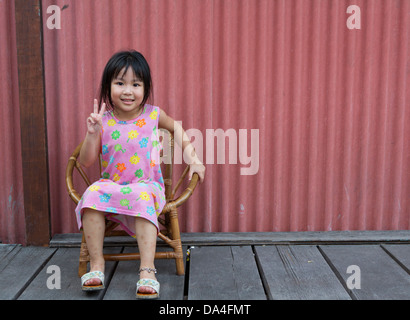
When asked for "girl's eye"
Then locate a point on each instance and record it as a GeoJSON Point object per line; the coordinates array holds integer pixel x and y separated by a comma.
{"type": "Point", "coordinates": [137, 85]}
{"type": "Point", "coordinates": [119, 83]}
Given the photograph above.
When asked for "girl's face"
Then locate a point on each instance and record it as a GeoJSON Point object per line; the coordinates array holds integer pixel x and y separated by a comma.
{"type": "Point", "coordinates": [127, 93]}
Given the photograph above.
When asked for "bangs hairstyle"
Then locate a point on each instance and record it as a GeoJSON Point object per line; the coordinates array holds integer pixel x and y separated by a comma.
{"type": "Point", "coordinates": [119, 61]}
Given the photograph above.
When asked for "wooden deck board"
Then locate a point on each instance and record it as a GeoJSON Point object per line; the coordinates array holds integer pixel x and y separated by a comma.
{"type": "Point", "coordinates": [5, 250]}
{"type": "Point", "coordinates": [401, 253]}
{"type": "Point", "coordinates": [224, 273]}
{"type": "Point", "coordinates": [19, 267]}
{"type": "Point", "coordinates": [172, 285]}
{"type": "Point", "coordinates": [284, 269]}
{"type": "Point", "coordinates": [298, 273]}
{"type": "Point", "coordinates": [380, 276]}
{"type": "Point", "coordinates": [123, 283]}
{"type": "Point", "coordinates": [247, 277]}
{"type": "Point", "coordinates": [66, 259]}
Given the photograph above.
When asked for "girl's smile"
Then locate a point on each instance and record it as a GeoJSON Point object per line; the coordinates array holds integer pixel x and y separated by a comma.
{"type": "Point", "coordinates": [127, 93]}
{"type": "Point", "coordinates": [128, 101]}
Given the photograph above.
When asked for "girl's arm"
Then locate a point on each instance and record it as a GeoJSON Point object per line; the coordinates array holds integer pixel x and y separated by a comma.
{"type": "Point", "coordinates": [166, 122]}
{"type": "Point", "coordinates": [89, 150]}
{"type": "Point", "coordinates": [92, 143]}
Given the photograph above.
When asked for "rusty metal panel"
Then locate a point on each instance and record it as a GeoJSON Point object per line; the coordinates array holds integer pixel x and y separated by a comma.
{"type": "Point", "coordinates": [300, 108]}
{"type": "Point", "coordinates": [12, 223]}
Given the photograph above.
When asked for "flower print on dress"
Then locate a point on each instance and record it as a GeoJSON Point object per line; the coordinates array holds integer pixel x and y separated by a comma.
{"type": "Point", "coordinates": [139, 173]}
{"type": "Point", "coordinates": [155, 143]}
{"type": "Point", "coordinates": [111, 122]}
{"type": "Point", "coordinates": [116, 135]}
{"type": "Point", "coordinates": [143, 143]}
{"type": "Point", "coordinates": [150, 210]}
{"type": "Point", "coordinates": [126, 190]}
{"type": "Point", "coordinates": [155, 133]}
{"type": "Point", "coordinates": [105, 149]}
{"type": "Point", "coordinates": [94, 188]}
{"type": "Point", "coordinates": [135, 159]}
{"type": "Point", "coordinates": [125, 203]}
{"type": "Point", "coordinates": [144, 196]}
{"type": "Point", "coordinates": [153, 115]}
{"type": "Point", "coordinates": [121, 167]}
{"type": "Point", "coordinates": [140, 123]}
{"type": "Point", "coordinates": [132, 135]}
{"type": "Point", "coordinates": [105, 197]}
{"type": "Point", "coordinates": [118, 147]}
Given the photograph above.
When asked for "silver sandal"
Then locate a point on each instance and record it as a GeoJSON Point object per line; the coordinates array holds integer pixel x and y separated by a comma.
{"type": "Point", "coordinates": [154, 284]}
{"type": "Point", "coordinates": [92, 275]}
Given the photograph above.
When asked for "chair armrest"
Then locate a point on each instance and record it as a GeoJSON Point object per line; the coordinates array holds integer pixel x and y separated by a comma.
{"type": "Point", "coordinates": [71, 165]}
{"type": "Point", "coordinates": [184, 196]}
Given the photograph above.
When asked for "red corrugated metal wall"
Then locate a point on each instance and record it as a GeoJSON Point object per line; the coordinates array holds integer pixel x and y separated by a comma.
{"type": "Point", "coordinates": [330, 104]}
{"type": "Point", "coordinates": [316, 114]}
{"type": "Point", "coordinates": [12, 223]}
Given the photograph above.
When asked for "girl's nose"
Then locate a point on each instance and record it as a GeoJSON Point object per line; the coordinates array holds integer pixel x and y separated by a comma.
{"type": "Point", "coordinates": [127, 90]}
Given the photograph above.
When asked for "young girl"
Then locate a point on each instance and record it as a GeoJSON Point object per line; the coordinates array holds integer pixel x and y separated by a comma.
{"type": "Point", "coordinates": [131, 189]}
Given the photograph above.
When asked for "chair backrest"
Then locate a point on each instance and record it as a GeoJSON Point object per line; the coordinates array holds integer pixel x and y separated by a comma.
{"type": "Point", "coordinates": [167, 156]}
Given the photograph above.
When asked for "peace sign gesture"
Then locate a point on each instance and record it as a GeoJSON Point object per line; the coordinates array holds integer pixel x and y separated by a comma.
{"type": "Point", "coordinates": [94, 121]}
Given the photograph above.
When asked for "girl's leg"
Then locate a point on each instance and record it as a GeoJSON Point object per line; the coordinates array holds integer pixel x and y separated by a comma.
{"type": "Point", "coordinates": [146, 234]}
{"type": "Point", "coordinates": [94, 229]}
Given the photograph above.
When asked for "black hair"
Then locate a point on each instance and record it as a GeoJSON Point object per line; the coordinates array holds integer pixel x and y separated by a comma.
{"type": "Point", "coordinates": [119, 61]}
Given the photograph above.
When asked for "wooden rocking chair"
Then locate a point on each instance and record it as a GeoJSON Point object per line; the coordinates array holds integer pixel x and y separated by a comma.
{"type": "Point", "coordinates": [168, 217]}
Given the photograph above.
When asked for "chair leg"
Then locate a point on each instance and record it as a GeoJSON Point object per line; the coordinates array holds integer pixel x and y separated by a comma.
{"type": "Point", "coordinates": [84, 258]}
{"type": "Point", "coordinates": [179, 262]}
{"type": "Point", "coordinates": [82, 268]}
{"type": "Point", "coordinates": [176, 237]}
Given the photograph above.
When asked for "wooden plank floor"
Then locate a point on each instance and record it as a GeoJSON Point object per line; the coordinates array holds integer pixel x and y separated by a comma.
{"type": "Point", "coordinates": [303, 271]}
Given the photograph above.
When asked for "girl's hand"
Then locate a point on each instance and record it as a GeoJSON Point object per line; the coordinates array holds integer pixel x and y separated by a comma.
{"type": "Point", "coordinates": [94, 121]}
{"type": "Point", "coordinates": [198, 168]}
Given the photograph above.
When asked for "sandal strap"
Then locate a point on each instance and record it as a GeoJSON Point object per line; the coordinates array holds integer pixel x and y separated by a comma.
{"type": "Point", "coordinates": [93, 274]}
{"type": "Point", "coordinates": [148, 283]}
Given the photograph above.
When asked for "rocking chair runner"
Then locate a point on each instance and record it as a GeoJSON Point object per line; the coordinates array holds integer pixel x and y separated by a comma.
{"type": "Point", "coordinates": [168, 217]}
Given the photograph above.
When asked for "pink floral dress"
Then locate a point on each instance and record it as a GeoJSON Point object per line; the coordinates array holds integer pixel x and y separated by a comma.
{"type": "Point", "coordinates": [131, 183]}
